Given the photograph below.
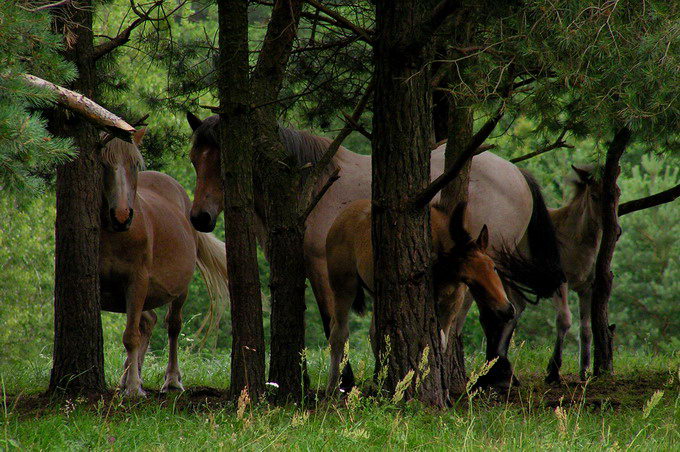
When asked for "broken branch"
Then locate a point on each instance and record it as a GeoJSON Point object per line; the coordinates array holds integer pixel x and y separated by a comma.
{"type": "Point", "coordinates": [470, 150]}
{"type": "Point", "coordinates": [87, 108]}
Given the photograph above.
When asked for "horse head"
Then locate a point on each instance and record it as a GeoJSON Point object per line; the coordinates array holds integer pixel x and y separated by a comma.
{"type": "Point", "coordinates": [205, 157]}
{"type": "Point", "coordinates": [588, 194]}
{"type": "Point", "coordinates": [122, 162]}
{"type": "Point", "coordinates": [467, 261]}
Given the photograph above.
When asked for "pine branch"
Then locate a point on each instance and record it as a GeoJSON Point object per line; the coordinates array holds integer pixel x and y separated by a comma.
{"type": "Point", "coordinates": [654, 200]}
{"type": "Point", "coordinates": [87, 108]}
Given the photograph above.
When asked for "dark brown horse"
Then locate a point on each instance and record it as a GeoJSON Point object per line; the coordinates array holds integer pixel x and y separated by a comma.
{"type": "Point", "coordinates": [461, 261]}
{"type": "Point", "coordinates": [148, 254]}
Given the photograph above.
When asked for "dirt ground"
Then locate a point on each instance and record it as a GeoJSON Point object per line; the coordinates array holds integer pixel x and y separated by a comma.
{"type": "Point", "coordinates": [616, 392]}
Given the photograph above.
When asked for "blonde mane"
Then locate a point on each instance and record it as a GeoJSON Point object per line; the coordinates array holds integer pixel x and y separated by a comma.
{"type": "Point", "coordinates": [117, 152]}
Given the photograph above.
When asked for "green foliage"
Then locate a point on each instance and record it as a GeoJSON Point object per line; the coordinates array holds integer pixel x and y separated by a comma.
{"type": "Point", "coordinates": [27, 150]}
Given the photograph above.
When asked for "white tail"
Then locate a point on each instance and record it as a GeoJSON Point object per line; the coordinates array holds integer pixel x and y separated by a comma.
{"type": "Point", "coordinates": [212, 263]}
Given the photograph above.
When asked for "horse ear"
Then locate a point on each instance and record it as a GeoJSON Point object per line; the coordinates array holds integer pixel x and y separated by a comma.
{"type": "Point", "coordinates": [138, 135]}
{"type": "Point", "coordinates": [583, 174]}
{"type": "Point", "coordinates": [194, 121]}
{"type": "Point", "coordinates": [483, 239]}
{"type": "Point", "coordinates": [457, 223]}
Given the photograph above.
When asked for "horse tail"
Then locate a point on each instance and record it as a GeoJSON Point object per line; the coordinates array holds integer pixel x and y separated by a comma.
{"type": "Point", "coordinates": [541, 273]}
{"type": "Point", "coordinates": [212, 263]}
{"type": "Point", "coordinates": [359, 303]}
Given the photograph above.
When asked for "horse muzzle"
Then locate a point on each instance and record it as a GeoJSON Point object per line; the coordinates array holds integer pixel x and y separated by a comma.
{"type": "Point", "coordinates": [203, 222]}
{"type": "Point", "coordinates": [116, 224]}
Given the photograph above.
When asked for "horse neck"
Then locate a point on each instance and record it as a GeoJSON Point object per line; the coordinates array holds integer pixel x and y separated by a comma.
{"type": "Point", "coordinates": [577, 224]}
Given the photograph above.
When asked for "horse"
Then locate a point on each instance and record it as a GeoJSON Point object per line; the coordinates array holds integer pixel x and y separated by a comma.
{"type": "Point", "coordinates": [460, 260]}
{"type": "Point", "coordinates": [579, 231]}
{"type": "Point", "coordinates": [499, 196]}
{"type": "Point", "coordinates": [148, 252]}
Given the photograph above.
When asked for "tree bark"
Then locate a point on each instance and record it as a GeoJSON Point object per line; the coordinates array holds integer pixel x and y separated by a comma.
{"type": "Point", "coordinates": [404, 311]}
{"type": "Point", "coordinates": [78, 356]}
{"type": "Point", "coordinates": [460, 133]}
{"type": "Point", "coordinates": [603, 333]}
{"type": "Point", "coordinates": [279, 177]}
{"type": "Point", "coordinates": [248, 350]}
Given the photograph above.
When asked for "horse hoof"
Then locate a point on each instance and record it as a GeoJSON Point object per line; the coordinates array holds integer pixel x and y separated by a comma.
{"type": "Point", "coordinates": [172, 386]}
{"type": "Point", "coordinates": [134, 393]}
{"type": "Point", "coordinates": [553, 379]}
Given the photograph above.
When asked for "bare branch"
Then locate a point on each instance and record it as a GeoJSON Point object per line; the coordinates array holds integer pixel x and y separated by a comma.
{"type": "Point", "coordinates": [356, 126]}
{"type": "Point", "coordinates": [113, 43]}
{"type": "Point", "coordinates": [318, 170]}
{"type": "Point", "coordinates": [342, 21]}
{"type": "Point", "coordinates": [46, 6]}
{"type": "Point", "coordinates": [87, 108]}
{"type": "Point", "coordinates": [124, 36]}
{"type": "Point", "coordinates": [315, 200]}
{"type": "Point", "coordinates": [422, 199]}
{"type": "Point", "coordinates": [654, 200]}
{"type": "Point", "coordinates": [557, 144]}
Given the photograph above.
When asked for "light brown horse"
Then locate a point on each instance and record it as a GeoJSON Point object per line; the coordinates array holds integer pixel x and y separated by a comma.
{"type": "Point", "coordinates": [579, 230]}
{"type": "Point", "coordinates": [499, 196]}
{"type": "Point", "coordinates": [460, 261]}
{"type": "Point", "coordinates": [148, 254]}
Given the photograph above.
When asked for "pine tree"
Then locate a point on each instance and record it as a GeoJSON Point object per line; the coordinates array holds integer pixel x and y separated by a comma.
{"type": "Point", "coordinates": [27, 149]}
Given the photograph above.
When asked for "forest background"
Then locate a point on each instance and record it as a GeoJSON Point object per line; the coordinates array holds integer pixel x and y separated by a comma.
{"type": "Point", "coordinates": [158, 74]}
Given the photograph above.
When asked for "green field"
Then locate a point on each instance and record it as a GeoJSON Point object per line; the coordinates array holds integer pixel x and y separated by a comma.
{"type": "Point", "coordinates": [639, 408]}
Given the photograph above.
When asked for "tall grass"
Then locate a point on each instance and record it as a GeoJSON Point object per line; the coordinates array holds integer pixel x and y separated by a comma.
{"type": "Point", "coordinates": [639, 409]}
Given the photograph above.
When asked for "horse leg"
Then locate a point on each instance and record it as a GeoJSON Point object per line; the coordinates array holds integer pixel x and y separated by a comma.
{"type": "Point", "coordinates": [461, 315]}
{"type": "Point", "coordinates": [132, 337]}
{"type": "Point", "coordinates": [448, 308]}
{"type": "Point", "coordinates": [339, 334]}
{"type": "Point", "coordinates": [173, 320]}
{"type": "Point", "coordinates": [562, 324]}
{"type": "Point", "coordinates": [586, 332]}
{"type": "Point", "coordinates": [146, 324]}
{"type": "Point", "coordinates": [498, 336]}
{"type": "Point", "coordinates": [318, 278]}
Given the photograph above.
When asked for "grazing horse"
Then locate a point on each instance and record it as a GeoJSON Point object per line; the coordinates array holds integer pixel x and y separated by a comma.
{"type": "Point", "coordinates": [460, 261]}
{"type": "Point", "coordinates": [148, 252]}
{"type": "Point", "coordinates": [499, 196]}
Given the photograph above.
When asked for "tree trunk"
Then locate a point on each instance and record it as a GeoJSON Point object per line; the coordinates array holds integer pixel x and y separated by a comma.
{"type": "Point", "coordinates": [404, 311]}
{"type": "Point", "coordinates": [247, 353]}
{"type": "Point", "coordinates": [603, 333]}
{"type": "Point", "coordinates": [280, 179]}
{"type": "Point", "coordinates": [78, 356]}
{"type": "Point", "coordinates": [460, 133]}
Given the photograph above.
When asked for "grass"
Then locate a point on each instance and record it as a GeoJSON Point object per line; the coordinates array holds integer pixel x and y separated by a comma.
{"type": "Point", "coordinates": [639, 408]}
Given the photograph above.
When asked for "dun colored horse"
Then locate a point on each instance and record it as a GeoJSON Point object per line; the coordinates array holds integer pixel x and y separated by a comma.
{"type": "Point", "coordinates": [499, 196]}
{"type": "Point", "coordinates": [148, 254]}
{"type": "Point", "coordinates": [579, 231]}
{"type": "Point", "coordinates": [460, 261]}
